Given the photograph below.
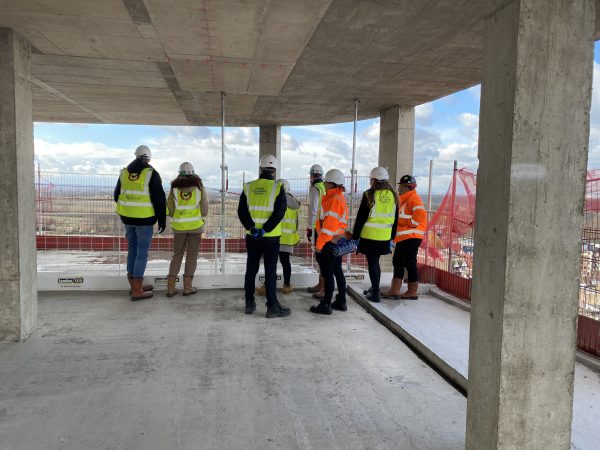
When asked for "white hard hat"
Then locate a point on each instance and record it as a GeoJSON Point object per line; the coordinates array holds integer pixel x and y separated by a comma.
{"type": "Point", "coordinates": [335, 176]}
{"type": "Point", "coordinates": [379, 173]}
{"type": "Point", "coordinates": [186, 168]}
{"type": "Point", "coordinates": [316, 169]}
{"type": "Point", "coordinates": [268, 161]}
{"type": "Point", "coordinates": [143, 151]}
{"type": "Point", "coordinates": [285, 184]}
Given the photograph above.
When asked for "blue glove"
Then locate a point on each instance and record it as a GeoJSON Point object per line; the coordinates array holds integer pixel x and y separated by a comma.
{"type": "Point", "coordinates": [392, 246]}
{"type": "Point", "coordinates": [257, 233]}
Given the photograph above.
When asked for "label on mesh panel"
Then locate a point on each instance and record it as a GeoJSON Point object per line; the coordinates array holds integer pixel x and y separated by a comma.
{"type": "Point", "coordinates": [162, 281]}
{"type": "Point", "coordinates": [262, 278]}
{"type": "Point", "coordinates": [70, 282]}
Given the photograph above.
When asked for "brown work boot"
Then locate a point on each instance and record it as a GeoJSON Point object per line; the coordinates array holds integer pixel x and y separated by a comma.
{"type": "Point", "coordinates": [319, 295]}
{"type": "Point", "coordinates": [145, 287]}
{"type": "Point", "coordinates": [171, 289]}
{"type": "Point", "coordinates": [261, 290]}
{"type": "Point", "coordinates": [188, 289]}
{"type": "Point", "coordinates": [136, 290]}
{"type": "Point", "coordinates": [411, 293]}
{"type": "Point", "coordinates": [394, 290]}
{"type": "Point", "coordinates": [287, 289]}
{"type": "Point", "coordinates": [317, 287]}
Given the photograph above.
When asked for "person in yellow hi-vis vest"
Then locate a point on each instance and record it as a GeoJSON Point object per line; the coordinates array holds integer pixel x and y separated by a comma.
{"type": "Point", "coordinates": [316, 193]}
{"type": "Point", "coordinates": [289, 238]}
{"type": "Point", "coordinates": [375, 225]}
{"type": "Point", "coordinates": [141, 203]}
{"type": "Point", "coordinates": [261, 208]}
{"type": "Point", "coordinates": [188, 206]}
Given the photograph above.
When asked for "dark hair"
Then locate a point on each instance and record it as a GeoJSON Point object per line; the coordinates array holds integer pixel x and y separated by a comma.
{"type": "Point", "coordinates": [341, 186]}
{"type": "Point", "coordinates": [184, 181]}
{"type": "Point", "coordinates": [379, 186]}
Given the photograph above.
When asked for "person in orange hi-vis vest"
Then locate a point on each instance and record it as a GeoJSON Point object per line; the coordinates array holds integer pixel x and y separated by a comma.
{"type": "Point", "coordinates": [331, 225]}
{"type": "Point", "coordinates": [410, 231]}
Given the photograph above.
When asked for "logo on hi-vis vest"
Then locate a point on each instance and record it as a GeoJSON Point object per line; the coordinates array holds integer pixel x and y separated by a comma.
{"type": "Point", "coordinates": [185, 195]}
{"type": "Point", "coordinates": [134, 176]}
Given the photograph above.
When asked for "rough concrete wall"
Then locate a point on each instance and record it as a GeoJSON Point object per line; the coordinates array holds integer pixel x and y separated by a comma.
{"type": "Point", "coordinates": [18, 302]}
{"type": "Point", "coordinates": [397, 141]}
{"type": "Point", "coordinates": [534, 129]}
{"type": "Point", "coordinates": [270, 143]}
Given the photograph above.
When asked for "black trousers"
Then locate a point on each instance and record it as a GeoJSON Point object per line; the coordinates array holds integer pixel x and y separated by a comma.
{"type": "Point", "coordinates": [405, 257]}
{"type": "Point", "coordinates": [374, 269]}
{"type": "Point", "coordinates": [331, 271]}
{"type": "Point", "coordinates": [284, 259]}
{"type": "Point", "coordinates": [268, 248]}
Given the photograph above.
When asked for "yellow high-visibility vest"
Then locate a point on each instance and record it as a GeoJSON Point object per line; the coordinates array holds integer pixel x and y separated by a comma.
{"type": "Point", "coordinates": [289, 228]}
{"type": "Point", "coordinates": [381, 217]}
{"type": "Point", "coordinates": [187, 215]}
{"type": "Point", "coordinates": [134, 200]}
{"type": "Point", "coordinates": [261, 195]}
{"type": "Point", "coordinates": [322, 191]}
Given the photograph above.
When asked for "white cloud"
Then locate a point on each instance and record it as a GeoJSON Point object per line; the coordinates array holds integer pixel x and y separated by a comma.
{"type": "Point", "coordinates": [372, 132]}
{"type": "Point", "coordinates": [86, 157]}
{"type": "Point", "coordinates": [469, 120]}
{"type": "Point", "coordinates": [423, 114]}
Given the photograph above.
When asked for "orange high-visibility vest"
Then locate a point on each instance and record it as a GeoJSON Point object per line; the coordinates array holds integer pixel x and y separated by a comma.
{"type": "Point", "coordinates": [333, 217]}
{"type": "Point", "coordinates": [412, 217]}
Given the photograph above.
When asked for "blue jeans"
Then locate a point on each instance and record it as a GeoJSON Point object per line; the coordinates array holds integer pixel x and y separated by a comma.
{"type": "Point", "coordinates": [139, 238]}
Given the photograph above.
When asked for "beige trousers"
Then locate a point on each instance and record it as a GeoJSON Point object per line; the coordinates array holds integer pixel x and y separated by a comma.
{"type": "Point", "coordinates": [187, 243]}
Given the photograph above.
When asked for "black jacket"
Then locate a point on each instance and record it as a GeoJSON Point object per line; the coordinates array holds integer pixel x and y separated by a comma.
{"type": "Point", "coordinates": [157, 196]}
{"type": "Point", "coordinates": [371, 245]}
{"type": "Point", "coordinates": [279, 209]}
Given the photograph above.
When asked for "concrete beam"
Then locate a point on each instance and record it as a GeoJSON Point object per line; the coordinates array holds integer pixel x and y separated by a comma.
{"type": "Point", "coordinates": [270, 143]}
{"type": "Point", "coordinates": [18, 299]}
{"type": "Point", "coordinates": [397, 141]}
{"type": "Point", "coordinates": [533, 142]}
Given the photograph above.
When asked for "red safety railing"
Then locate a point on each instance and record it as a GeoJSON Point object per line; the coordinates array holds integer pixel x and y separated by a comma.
{"type": "Point", "coordinates": [76, 212]}
{"type": "Point", "coordinates": [446, 256]}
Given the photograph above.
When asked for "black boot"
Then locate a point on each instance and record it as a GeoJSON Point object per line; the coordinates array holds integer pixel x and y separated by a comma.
{"type": "Point", "coordinates": [277, 310]}
{"type": "Point", "coordinates": [368, 291]}
{"type": "Point", "coordinates": [250, 306]}
{"type": "Point", "coordinates": [324, 307]}
{"type": "Point", "coordinates": [373, 296]}
{"type": "Point", "coordinates": [340, 303]}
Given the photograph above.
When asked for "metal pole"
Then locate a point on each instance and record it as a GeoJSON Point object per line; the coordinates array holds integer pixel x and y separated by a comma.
{"type": "Point", "coordinates": [352, 179]}
{"type": "Point", "coordinates": [428, 211]}
{"type": "Point", "coordinates": [452, 204]}
{"type": "Point", "coordinates": [223, 186]}
{"type": "Point", "coordinates": [39, 200]}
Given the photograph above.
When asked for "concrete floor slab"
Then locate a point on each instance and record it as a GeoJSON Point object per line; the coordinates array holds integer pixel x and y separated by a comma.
{"type": "Point", "coordinates": [444, 329]}
{"type": "Point", "coordinates": [195, 372]}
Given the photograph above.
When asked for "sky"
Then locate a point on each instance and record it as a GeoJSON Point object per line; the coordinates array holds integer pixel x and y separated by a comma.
{"type": "Point", "coordinates": [446, 130]}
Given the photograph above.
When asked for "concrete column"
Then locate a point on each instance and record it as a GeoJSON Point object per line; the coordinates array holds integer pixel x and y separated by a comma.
{"type": "Point", "coordinates": [533, 143]}
{"type": "Point", "coordinates": [18, 294]}
{"type": "Point", "coordinates": [270, 143]}
{"type": "Point", "coordinates": [397, 141]}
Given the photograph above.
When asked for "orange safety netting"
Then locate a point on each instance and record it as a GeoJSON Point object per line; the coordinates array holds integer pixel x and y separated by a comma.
{"type": "Point", "coordinates": [455, 216]}
{"type": "Point", "coordinates": [452, 224]}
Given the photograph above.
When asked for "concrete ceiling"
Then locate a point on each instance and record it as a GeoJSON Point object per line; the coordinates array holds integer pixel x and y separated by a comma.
{"type": "Point", "coordinates": [278, 61]}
